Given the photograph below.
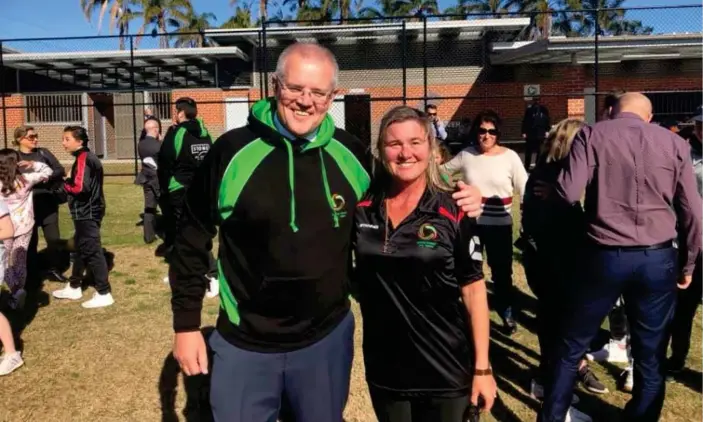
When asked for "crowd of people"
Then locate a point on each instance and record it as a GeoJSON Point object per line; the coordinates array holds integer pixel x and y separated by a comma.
{"type": "Point", "coordinates": [307, 216]}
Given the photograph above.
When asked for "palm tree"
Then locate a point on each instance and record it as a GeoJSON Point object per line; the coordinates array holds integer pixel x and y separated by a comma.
{"type": "Point", "coordinates": [611, 21]}
{"type": "Point", "coordinates": [193, 34]}
{"type": "Point", "coordinates": [124, 16]}
{"type": "Point", "coordinates": [242, 17]}
{"type": "Point", "coordinates": [162, 15]}
{"type": "Point", "coordinates": [89, 6]}
{"type": "Point", "coordinates": [400, 8]}
{"type": "Point", "coordinates": [263, 6]}
{"type": "Point", "coordinates": [566, 12]}
{"type": "Point", "coordinates": [494, 7]}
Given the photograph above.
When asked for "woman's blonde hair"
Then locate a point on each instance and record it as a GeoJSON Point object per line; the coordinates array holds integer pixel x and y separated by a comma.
{"type": "Point", "coordinates": [381, 172]}
{"type": "Point", "coordinates": [558, 143]}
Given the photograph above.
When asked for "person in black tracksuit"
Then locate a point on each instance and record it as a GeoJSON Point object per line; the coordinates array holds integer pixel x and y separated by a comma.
{"type": "Point", "coordinates": [86, 202]}
{"type": "Point", "coordinates": [535, 125]}
{"type": "Point", "coordinates": [46, 205]}
{"type": "Point", "coordinates": [148, 150]}
{"type": "Point", "coordinates": [184, 147]}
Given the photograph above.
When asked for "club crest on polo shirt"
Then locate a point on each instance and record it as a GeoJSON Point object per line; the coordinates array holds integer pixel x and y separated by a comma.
{"type": "Point", "coordinates": [427, 235]}
{"type": "Point", "coordinates": [339, 205]}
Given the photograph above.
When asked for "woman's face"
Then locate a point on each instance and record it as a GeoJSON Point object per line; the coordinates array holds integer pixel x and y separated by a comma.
{"type": "Point", "coordinates": [30, 140]}
{"type": "Point", "coordinates": [70, 144]}
{"type": "Point", "coordinates": [487, 136]}
{"type": "Point", "coordinates": [406, 151]}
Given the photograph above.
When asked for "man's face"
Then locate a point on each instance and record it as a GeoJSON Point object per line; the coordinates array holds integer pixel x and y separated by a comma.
{"type": "Point", "coordinates": [151, 128]}
{"type": "Point", "coordinates": [432, 113]}
{"type": "Point", "coordinates": [180, 117]}
{"type": "Point", "coordinates": [304, 93]}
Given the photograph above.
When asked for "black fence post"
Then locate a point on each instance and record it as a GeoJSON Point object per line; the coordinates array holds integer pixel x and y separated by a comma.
{"type": "Point", "coordinates": [259, 65]}
{"type": "Point", "coordinates": [134, 103]}
{"type": "Point", "coordinates": [596, 69]}
{"type": "Point", "coordinates": [2, 95]}
{"type": "Point", "coordinates": [404, 45]}
{"type": "Point", "coordinates": [264, 59]}
{"type": "Point", "coordinates": [424, 60]}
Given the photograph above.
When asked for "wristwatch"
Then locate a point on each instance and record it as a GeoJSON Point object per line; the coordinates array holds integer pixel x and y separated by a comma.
{"type": "Point", "coordinates": [482, 372]}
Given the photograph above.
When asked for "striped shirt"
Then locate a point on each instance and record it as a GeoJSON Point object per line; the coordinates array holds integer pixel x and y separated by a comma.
{"type": "Point", "coordinates": [498, 177]}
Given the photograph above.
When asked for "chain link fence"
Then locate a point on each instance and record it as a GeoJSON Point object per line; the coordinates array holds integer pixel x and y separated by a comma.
{"type": "Point", "coordinates": [461, 63]}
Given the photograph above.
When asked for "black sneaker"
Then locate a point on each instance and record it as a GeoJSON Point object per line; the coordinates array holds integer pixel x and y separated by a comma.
{"type": "Point", "coordinates": [591, 382]}
{"type": "Point", "coordinates": [674, 368]}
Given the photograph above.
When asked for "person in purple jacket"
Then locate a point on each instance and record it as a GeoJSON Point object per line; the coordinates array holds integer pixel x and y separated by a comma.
{"type": "Point", "coordinates": [640, 196]}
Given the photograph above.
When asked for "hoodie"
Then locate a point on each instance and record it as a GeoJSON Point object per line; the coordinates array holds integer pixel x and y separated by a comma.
{"type": "Point", "coordinates": [284, 209]}
{"type": "Point", "coordinates": [183, 149]}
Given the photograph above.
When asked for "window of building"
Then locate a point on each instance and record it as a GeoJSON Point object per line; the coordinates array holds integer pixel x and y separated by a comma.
{"type": "Point", "coordinates": [160, 103]}
{"type": "Point", "coordinates": [54, 108]}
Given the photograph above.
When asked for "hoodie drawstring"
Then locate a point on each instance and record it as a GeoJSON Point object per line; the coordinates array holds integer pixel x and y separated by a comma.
{"type": "Point", "coordinates": [328, 194]}
{"type": "Point", "coordinates": [291, 182]}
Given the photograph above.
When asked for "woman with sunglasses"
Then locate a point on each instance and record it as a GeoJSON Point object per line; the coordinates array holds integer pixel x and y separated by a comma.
{"type": "Point", "coordinates": [420, 284]}
{"type": "Point", "coordinates": [46, 204]}
{"type": "Point", "coordinates": [499, 173]}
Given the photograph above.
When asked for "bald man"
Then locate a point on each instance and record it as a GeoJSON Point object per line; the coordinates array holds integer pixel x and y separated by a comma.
{"type": "Point", "coordinates": [641, 196]}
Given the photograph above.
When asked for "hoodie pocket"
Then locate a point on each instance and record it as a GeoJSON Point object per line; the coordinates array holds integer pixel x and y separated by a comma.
{"type": "Point", "coordinates": [286, 296]}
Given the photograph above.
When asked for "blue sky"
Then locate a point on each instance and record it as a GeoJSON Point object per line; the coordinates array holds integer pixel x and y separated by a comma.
{"type": "Point", "coordinates": [56, 18]}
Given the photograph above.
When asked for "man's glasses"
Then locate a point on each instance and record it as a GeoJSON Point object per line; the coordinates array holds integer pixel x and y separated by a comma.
{"type": "Point", "coordinates": [294, 91]}
{"type": "Point", "coordinates": [492, 132]}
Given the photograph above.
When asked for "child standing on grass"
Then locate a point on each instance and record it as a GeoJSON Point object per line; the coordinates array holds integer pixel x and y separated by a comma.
{"type": "Point", "coordinates": [11, 359]}
{"type": "Point", "coordinates": [17, 178]}
{"type": "Point", "coordinates": [86, 201]}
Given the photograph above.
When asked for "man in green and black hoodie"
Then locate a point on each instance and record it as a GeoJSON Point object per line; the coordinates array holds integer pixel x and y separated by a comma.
{"type": "Point", "coordinates": [184, 147]}
{"type": "Point", "coordinates": [283, 191]}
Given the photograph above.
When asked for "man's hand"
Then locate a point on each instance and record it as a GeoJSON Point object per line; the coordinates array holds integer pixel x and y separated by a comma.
{"type": "Point", "coordinates": [685, 281]}
{"type": "Point", "coordinates": [190, 352]}
{"type": "Point", "coordinates": [468, 198]}
{"type": "Point", "coordinates": [484, 386]}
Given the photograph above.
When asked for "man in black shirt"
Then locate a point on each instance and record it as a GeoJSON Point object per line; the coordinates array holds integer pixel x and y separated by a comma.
{"type": "Point", "coordinates": [535, 126]}
{"type": "Point", "coordinates": [148, 150]}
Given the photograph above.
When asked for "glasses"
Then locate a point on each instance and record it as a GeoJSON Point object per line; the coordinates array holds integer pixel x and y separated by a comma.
{"type": "Point", "coordinates": [33, 136]}
{"type": "Point", "coordinates": [492, 132]}
{"type": "Point", "coordinates": [295, 92]}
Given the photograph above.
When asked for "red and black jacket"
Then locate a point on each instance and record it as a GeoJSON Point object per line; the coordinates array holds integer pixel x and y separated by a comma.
{"type": "Point", "coordinates": [84, 187]}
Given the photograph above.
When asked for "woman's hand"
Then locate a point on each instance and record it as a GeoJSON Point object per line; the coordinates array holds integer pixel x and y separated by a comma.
{"type": "Point", "coordinates": [484, 386]}
{"type": "Point", "coordinates": [25, 164]}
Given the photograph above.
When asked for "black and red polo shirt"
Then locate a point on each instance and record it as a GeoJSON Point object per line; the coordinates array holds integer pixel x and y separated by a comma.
{"type": "Point", "coordinates": [417, 338]}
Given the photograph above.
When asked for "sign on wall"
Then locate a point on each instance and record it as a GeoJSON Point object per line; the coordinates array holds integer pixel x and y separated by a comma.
{"type": "Point", "coordinates": [530, 91]}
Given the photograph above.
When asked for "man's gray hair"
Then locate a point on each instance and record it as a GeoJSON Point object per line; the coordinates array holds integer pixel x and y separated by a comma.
{"type": "Point", "coordinates": [307, 49]}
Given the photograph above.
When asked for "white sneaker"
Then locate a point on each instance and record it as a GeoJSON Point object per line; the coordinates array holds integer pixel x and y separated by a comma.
{"type": "Point", "coordinates": [214, 289]}
{"type": "Point", "coordinates": [68, 292]}
{"type": "Point", "coordinates": [10, 362]}
{"type": "Point", "coordinates": [628, 380]}
{"type": "Point", "coordinates": [574, 415]}
{"type": "Point", "coordinates": [166, 280]}
{"type": "Point", "coordinates": [537, 392]}
{"type": "Point", "coordinates": [614, 352]}
{"type": "Point", "coordinates": [98, 301]}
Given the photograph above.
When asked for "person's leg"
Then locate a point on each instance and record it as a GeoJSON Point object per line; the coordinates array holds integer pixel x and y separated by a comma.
{"type": "Point", "coordinates": [91, 251]}
{"type": "Point", "coordinates": [11, 359]}
{"type": "Point", "coordinates": [316, 378]}
{"type": "Point", "coordinates": [593, 296]}
{"type": "Point", "coordinates": [10, 276]}
{"type": "Point", "coordinates": [537, 279]}
{"type": "Point", "coordinates": [245, 386]}
{"type": "Point", "coordinates": [499, 249]}
{"type": "Point", "coordinates": [439, 409]}
{"type": "Point", "coordinates": [19, 269]}
{"type": "Point", "coordinates": [682, 324]}
{"type": "Point", "coordinates": [650, 301]}
{"type": "Point", "coordinates": [52, 235]}
{"type": "Point", "coordinates": [389, 409]}
{"type": "Point", "coordinates": [74, 287]}
{"type": "Point", "coordinates": [33, 270]}
{"type": "Point", "coordinates": [150, 205]}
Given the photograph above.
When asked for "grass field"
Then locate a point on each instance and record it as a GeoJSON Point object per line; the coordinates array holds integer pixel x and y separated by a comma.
{"type": "Point", "coordinates": [114, 364]}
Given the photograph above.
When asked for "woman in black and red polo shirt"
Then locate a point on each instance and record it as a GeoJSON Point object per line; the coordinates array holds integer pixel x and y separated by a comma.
{"type": "Point", "coordinates": [420, 284]}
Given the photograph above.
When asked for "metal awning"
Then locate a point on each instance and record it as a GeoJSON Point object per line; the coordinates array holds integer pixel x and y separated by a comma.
{"type": "Point", "coordinates": [158, 68]}
{"type": "Point", "coordinates": [345, 34]}
{"type": "Point", "coordinates": [611, 49]}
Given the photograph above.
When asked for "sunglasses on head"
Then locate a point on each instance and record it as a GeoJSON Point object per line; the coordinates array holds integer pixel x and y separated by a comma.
{"type": "Point", "coordinates": [483, 131]}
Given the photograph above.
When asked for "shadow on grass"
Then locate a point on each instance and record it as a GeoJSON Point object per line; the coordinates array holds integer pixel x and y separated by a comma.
{"type": "Point", "coordinates": [691, 379]}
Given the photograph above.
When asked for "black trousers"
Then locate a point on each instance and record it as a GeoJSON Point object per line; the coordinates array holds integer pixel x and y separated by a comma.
{"type": "Point", "coordinates": [151, 202]}
{"type": "Point", "coordinates": [90, 256]}
{"type": "Point", "coordinates": [498, 244]}
{"type": "Point", "coordinates": [685, 313]}
{"type": "Point", "coordinates": [172, 207]}
{"type": "Point", "coordinates": [394, 409]}
{"type": "Point", "coordinates": [532, 148]}
{"type": "Point", "coordinates": [48, 220]}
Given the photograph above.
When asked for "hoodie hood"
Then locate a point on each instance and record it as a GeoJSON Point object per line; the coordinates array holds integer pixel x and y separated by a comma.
{"type": "Point", "coordinates": [195, 127]}
{"type": "Point", "coordinates": [261, 120]}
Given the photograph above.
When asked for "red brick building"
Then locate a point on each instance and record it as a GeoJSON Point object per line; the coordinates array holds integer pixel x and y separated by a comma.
{"type": "Point", "coordinates": [462, 67]}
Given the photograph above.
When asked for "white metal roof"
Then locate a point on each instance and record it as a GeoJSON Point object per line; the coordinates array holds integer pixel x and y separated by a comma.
{"type": "Point", "coordinates": [611, 49]}
{"type": "Point", "coordinates": [350, 33]}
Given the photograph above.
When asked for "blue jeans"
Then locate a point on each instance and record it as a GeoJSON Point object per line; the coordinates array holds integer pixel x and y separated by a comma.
{"type": "Point", "coordinates": [249, 386]}
{"type": "Point", "coordinates": [647, 280]}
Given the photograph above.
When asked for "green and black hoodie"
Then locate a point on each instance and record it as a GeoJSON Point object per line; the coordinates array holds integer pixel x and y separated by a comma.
{"type": "Point", "coordinates": [285, 214]}
{"type": "Point", "coordinates": [184, 147]}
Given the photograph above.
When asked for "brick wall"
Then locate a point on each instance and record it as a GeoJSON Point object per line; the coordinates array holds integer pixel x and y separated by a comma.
{"type": "Point", "coordinates": [211, 106]}
{"type": "Point", "coordinates": [14, 116]}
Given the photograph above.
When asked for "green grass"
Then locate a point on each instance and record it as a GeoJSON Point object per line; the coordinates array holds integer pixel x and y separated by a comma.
{"type": "Point", "coordinates": [114, 364]}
